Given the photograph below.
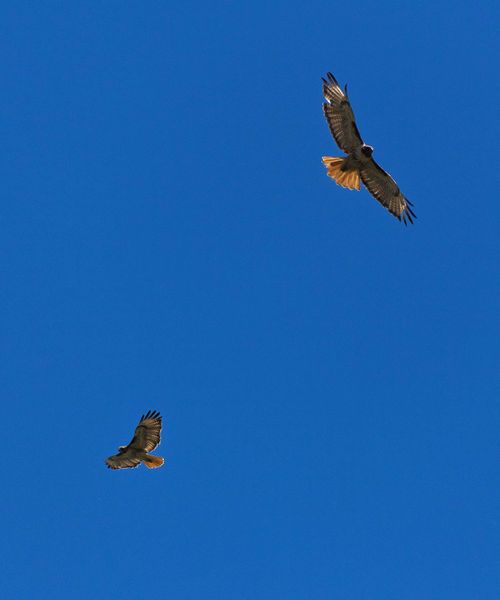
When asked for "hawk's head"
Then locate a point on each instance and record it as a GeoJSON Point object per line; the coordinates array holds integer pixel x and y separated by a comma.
{"type": "Point", "coordinates": [367, 150]}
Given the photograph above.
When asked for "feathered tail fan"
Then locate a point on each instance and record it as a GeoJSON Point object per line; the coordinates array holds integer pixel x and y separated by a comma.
{"type": "Point", "coordinates": [152, 462]}
{"type": "Point", "coordinates": [348, 179]}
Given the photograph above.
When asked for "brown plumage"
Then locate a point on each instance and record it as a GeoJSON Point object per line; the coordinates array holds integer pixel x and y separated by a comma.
{"type": "Point", "coordinates": [146, 439]}
{"type": "Point", "coordinates": [358, 166]}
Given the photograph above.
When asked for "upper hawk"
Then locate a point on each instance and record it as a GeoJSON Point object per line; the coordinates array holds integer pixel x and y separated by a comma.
{"type": "Point", "coordinates": [348, 171]}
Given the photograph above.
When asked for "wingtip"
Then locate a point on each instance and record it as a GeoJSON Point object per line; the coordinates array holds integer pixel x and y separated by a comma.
{"type": "Point", "coordinates": [152, 414]}
{"type": "Point", "coordinates": [330, 79]}
{"type": "Point", "coordinates": [408, 217]}
{"type": "Point", "coordinates": [409, 212]}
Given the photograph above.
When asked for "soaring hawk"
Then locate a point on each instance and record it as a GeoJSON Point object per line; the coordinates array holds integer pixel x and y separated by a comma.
{"type": "Point", "coordinates": [146, 439]}
{"type": "Point", "coordinates": [348, 171]}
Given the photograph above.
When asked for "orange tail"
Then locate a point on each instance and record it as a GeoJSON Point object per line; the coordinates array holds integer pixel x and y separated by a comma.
{"type": "Point", "coordinates": [152, 462]}
{"type": "Point", "coordinates": [347, 179]}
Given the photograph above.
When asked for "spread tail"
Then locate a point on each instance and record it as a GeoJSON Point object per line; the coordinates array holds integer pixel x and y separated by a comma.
{"type": "Point", "coordinates": [348, 179]}
{"type": "Point", "coordinates": [152, 462]}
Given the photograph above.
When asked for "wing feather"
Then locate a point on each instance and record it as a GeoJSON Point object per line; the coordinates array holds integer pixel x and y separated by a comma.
{"type": "Point", "coordinates": [147, 433]}
{"type": "Point", "coordinates": [384, 189]}
{"type": "Point", "coordinates": [124, 460]}
{"type": "Point", "coordinates": [340, 116]}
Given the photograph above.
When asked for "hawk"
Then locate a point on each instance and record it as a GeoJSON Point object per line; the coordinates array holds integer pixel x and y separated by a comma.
{"type": "Point", "coordinates": [146, 439]}
{"type": "Point", "coordinates": [348, 171]}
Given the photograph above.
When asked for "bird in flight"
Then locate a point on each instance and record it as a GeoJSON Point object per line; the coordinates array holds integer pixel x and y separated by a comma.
{"type": "Point", "coordinates": [146, 439]}
{"type": "Point", "coordinates": [358, 166]}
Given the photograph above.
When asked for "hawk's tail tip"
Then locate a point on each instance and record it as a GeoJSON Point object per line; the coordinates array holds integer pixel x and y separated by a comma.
{"type": "Point", "coordinates": [152, 462]}
{"type": "Point", "coordinates": [348, 179]}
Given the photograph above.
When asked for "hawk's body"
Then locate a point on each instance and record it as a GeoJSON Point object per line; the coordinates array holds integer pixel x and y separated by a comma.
{"type": "Point", "coordinates": [146, 439]}
{"type": "Point", "coordinates": [358, 166]}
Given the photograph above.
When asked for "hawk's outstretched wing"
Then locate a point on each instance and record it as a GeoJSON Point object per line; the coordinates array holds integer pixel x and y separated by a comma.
{"type": "Point", "coordinates": [384, 189]}
{"type": "Point", "coordinates": [124, 460]}
{"type": "Point", "coordinates": [339, 115]}
{"type": "Point", "coordinates": [147, 433]}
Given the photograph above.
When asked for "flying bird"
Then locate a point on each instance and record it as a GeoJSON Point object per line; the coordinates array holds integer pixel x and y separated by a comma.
{"type": "Point", "coordinates": [358, 166]}
{"type": "Point", "coordinates": [146, 439]}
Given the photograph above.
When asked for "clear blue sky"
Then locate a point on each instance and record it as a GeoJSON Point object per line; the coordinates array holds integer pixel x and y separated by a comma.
{"type": "Point", "coordinates": [169, 240]}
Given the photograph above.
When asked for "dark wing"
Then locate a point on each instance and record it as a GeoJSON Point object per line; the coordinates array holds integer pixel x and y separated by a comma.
{"type": "Point", "coordinates": [339, 116]}
{"type": "Point", "coordinates": [384, 189]}
{"type": "Point", "coordinates": [123, 460]}
{"type": "Point", "coordinates": [147, 433]}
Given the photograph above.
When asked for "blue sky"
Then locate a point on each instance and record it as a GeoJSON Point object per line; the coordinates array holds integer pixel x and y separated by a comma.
{"type": "Point", "coordinates": [169, 240]}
